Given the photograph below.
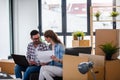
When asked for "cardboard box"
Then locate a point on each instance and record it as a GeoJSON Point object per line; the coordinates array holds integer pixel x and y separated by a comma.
{"type": "Point", "coordinates": [70, 67]}
{"type": "Point", "coordinates": [7, 66]}
{"type": "Point", "coordinates": [78, 43]}
{"type": "Point", "coordinates": [98, 67]}
{"type": "Point", "coordinates": [112, 70]}
{"type": "Point", "coordinates": [106, 35]}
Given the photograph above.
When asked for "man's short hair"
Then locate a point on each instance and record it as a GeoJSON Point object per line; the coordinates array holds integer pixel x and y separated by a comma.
{"type": "Point", "coordinates": [33, 32]}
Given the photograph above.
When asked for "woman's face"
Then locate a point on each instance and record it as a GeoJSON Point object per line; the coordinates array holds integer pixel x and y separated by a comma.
{"type": "Point", "coordinates": [47, 39]}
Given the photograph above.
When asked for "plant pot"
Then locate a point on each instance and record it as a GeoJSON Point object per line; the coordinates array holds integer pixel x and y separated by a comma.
{"type": "Point", "coordinates": [74, 37]}
{"type": "Point", "coordinates": [108, 57]}
{"type": "Point", "coordinates": [114, 18]}
{"type": "Point", "coordinates": [79, 38]}
{"type": "Point", "coordinates": [97, 18]}
{"type": "Point", "coordinates": [82, 37]}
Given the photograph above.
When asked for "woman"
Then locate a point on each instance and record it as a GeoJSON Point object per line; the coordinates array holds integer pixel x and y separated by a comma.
{"type": "Point", "coordinates": [55, 69]}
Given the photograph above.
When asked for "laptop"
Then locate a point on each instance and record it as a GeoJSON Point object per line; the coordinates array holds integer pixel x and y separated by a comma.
{"type": "Point", "coordinates": [20, 60]}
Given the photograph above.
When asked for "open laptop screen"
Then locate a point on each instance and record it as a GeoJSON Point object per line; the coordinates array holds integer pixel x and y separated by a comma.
{"type": "Point", "coordinates": [20, 60]}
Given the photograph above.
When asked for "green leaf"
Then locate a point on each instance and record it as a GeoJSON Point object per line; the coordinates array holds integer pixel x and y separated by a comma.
{"type": "Point", "coordinates": [109, 48]}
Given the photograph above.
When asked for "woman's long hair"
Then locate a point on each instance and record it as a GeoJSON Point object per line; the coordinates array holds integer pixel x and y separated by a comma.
{"type": "Point", "coordinates": [52, 35]}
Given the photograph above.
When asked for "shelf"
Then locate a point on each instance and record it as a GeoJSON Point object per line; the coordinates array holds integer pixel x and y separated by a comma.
{"type": "Point", "coordinates": [105, 6]}
{"type": "Point", "coordinates": [107, 21]}
{"type": "Point", "coordinates": [92, 19]}
{"type": "Point", "coordinates": [112, 70]}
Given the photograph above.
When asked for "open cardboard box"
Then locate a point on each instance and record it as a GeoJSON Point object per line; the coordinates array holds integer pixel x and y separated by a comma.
{"type": "Point", "coordinates": [70, 67]}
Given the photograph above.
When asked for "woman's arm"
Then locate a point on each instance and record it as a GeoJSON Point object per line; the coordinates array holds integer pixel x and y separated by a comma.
{"type": "Point", "coordinates": [61, 50]}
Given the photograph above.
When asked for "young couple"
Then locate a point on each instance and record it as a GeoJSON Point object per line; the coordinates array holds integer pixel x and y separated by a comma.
{"type": "Point", "coordinates": [46, 70]}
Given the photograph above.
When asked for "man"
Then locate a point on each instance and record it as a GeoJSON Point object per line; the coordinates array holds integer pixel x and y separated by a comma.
{"type": "Point", "coordinates": [32, 48]}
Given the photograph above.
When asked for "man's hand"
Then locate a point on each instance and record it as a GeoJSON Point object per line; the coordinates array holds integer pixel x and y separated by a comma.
{"type": "Point", "coordinates": [32, 63]}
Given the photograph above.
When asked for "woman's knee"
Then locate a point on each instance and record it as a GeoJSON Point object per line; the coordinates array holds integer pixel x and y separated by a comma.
{"type": "Point", "coordinates": [43, 68]}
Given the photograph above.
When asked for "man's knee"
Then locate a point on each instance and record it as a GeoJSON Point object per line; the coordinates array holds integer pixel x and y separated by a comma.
{"type": "Point", "coordinates": [17, 68]}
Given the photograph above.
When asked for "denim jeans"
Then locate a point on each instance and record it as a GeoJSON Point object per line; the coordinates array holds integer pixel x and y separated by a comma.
{"type": "Point", "coordinates": [26, 70]}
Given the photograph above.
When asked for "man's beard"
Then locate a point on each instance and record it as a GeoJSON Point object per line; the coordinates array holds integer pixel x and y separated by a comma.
{"type": "Point", "coordinates": [36, 42]}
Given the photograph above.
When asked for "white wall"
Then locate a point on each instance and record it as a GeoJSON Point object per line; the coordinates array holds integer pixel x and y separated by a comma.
{"type": "Point", "coordinates": [4, 29]}
{"type": "Point", "coordinates": [26, 19]}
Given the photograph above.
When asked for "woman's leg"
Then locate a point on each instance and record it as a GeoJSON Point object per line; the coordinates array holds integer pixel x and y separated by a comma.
{"type": "Point", "coordinates": [48, 72]}
{"type": "Point", "coordinates": [41, 76]}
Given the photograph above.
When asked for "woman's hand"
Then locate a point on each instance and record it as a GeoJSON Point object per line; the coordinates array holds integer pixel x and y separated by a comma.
{"type": "Point", "coordinates": [42, 63]}
{"type": "Point", "coordinates": [54, 58]}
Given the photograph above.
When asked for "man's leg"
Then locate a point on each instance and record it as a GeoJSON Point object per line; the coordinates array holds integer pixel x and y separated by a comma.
{"type": "Point", "coordinates": [29, 70]}
{"type": "Point", "coordinates": [18, 71]}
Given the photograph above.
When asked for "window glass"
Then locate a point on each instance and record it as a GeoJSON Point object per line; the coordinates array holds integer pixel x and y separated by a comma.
{"type": "Point", "coordinates": [118, 25]}
{"type": "Point", "coordinates": [105, 20]}
{"type": "Point", "coordinates": [76, 15]}
{"type": "Point", "coordinates": [69, 41]}
{"type": "Point", "coordinates": [118, 17]}
{"type": "Point", "coordinates": [51, 15]}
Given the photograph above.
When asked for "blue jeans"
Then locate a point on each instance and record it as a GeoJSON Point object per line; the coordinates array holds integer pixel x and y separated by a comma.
{"type": "Point", "coordinates": [26, 70]}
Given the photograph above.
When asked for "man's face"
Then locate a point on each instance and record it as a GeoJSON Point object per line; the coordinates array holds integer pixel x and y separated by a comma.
{"type": "Point", "coordinates": [36, 38]}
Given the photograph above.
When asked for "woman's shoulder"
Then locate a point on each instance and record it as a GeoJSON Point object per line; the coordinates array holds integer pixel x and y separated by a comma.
{"type": "Point", "coordinates": [60, 45]}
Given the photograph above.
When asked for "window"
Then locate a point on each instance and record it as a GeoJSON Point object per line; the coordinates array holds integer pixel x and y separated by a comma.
{"type": "Point", "coordinates": [76, 15]}
{"type": "Point", "coordinates": [62, 16]}
{"type": "Point", "coordinates": [105, 14]}
{"type": "Point", "coordinates": [118, 18]}
{"type": "Point", "coordinates": [51, 15]}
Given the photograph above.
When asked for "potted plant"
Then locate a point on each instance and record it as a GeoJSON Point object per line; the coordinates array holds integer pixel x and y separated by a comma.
{"type": "Point", "coordinates": [97, 15]}
{"type": "Point", "coordinates": [74, 36]}
{"type": "Point", "coordinates": [109, 49]}
{"type": "Point", "coordinates": [79, 35]}
{"type": "Point", "coordinates": [114, 14]}
{"type": "Point", "coordinates": [82, 34]}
